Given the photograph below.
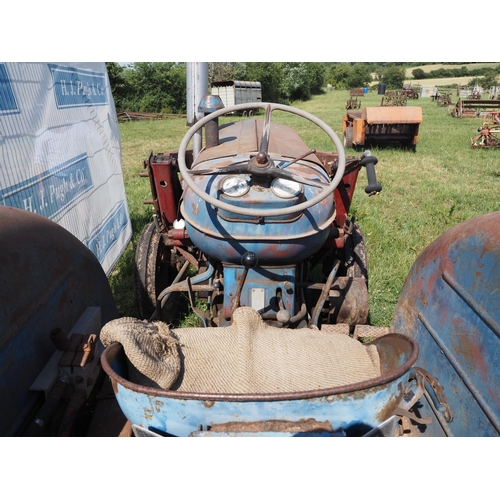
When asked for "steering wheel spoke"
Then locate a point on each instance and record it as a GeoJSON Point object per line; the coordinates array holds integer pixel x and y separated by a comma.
{"type": "Point", "coordinates": [264, 143]}
{"type": "Point", "coordinates": [277, 172]}
{"type": "Point", "coordinates": [240, 167]}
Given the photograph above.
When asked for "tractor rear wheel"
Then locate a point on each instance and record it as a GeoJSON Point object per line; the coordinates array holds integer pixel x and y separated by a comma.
{"type": "Point", "coordinates": [356, 256]}
{"type": "Point", "coordinates": [154, 271]}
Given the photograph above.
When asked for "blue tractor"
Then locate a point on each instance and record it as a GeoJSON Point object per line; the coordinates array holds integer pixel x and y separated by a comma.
{"type": "Point", "coordinates": [254, 234]}
{"type": "Point", "coordinates": [279, 275]}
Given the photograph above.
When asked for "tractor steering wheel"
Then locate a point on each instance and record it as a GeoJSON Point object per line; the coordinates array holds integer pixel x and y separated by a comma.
{"type": "Point", "coordinates": [187, 174]}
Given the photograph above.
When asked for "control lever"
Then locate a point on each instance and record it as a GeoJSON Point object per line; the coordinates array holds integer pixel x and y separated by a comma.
{"type": "Point", "coordinates": [369, 162]}
{"type": "Point", "coordinates": [248, 260]}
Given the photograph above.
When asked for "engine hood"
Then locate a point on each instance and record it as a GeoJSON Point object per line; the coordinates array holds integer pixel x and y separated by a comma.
{"type": "Point", "coordinates": [243, 138]}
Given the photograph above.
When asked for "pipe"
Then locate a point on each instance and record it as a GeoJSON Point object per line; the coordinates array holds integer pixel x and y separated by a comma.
{"type": "Point", "coordinates": [209, 104]}
{"type": "Point", "coordinates": [60, 339]}
{"type": "Point", "coordinates": [197, 86]}
{"type": "Point", "coordinates": [324, 294]}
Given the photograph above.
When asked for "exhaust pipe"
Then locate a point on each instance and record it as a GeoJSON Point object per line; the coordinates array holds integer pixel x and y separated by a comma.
{"type": "Point", "coordinates": [209, 104]}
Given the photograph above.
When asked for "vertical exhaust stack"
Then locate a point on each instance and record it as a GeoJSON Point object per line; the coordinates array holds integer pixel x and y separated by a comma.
{"type": "Point", "coordinates": [209, 104]}
{"type": "Point", "coordinates": [197, 86]}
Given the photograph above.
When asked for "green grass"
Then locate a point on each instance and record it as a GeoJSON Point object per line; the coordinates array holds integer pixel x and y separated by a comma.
{"type": "Point", "coordinates": [424, 192]}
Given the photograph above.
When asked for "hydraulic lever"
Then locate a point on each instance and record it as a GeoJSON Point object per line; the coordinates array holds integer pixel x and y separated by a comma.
{"type": "Point", "coordinates": [369, 162]}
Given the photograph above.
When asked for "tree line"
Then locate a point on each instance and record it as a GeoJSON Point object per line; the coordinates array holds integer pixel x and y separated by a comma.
{"type": "Point", "coordinates": [160, 87]}
{"type": "Point", "coordinates": [488, 77]}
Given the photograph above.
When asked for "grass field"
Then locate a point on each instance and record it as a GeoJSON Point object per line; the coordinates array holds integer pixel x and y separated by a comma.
{"type": "Point", "coordinates": [424, 192]}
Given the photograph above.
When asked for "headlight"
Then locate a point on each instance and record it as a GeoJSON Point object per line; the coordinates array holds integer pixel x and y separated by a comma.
{"type": "Point", "coordinates": [285, 188]}
{"type": "Point", "coordinates": [234, 186]}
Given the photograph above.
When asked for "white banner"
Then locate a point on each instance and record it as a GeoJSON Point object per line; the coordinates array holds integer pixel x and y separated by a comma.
{"type": "Point", "coordinates": [60, 152]}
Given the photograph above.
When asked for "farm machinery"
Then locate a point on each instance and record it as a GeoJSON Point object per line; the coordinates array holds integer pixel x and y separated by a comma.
{"type": "Point", "coordinates": [410, 92]}
{"type": "Point", "coordinates": [382, 125]}
{"type": "Point", "coordinates": [489, 132]}
{"type": "Point", "coordinates": [254, 234]}
{"type": "Point", "coordinates": [472, 107]}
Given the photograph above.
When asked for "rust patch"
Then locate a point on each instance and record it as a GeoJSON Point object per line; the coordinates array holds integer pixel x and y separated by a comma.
{"type": "Point", "coordinates": [469, 347]}
{"type": "Point", "coordinates": [309, 425]}
{"type": "Point", "coordinates": [423, 298]}
{"type": "Point", "coordinates": [158, 405]}
{"type": "Point", "coordinates": [392, 403]}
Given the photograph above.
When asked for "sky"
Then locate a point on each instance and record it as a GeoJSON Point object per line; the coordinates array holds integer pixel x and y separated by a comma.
{"type": "Point", "coordinates": [263, 31]}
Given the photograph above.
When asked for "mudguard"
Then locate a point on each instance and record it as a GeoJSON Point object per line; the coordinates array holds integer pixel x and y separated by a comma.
{"type": "Point", "coordinates": [450, 304]}
{"type": "Point", "coordinates": [48, 278]}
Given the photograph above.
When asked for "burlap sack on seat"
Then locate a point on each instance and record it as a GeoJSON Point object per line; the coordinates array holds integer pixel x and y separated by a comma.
{"type": "Point", "coordinates": [152, 355]}
{"type": "Point", "coordinates": [251, 357]}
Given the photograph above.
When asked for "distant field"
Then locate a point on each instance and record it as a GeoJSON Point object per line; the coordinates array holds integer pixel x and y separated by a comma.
{"type": "Point", "coordinates": [436, 82]}
{"type": "Point", "coordinates": [432, 67]}
{"type": "Point", "coordinates": [440, 82]}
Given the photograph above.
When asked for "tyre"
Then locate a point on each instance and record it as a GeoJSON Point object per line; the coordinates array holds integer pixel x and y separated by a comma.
{"type": "Point", "coordinates": [348, 137]}
{"type": "Point", "coordinates": [356, 255]}
{"type": "Point", "coordinates": [153, 272]}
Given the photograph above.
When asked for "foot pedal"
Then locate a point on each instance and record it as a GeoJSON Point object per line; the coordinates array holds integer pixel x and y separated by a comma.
{"type": "Point", "coordinates": [368, 331]}
{"type": "Point", "coordinates": [342, 328]}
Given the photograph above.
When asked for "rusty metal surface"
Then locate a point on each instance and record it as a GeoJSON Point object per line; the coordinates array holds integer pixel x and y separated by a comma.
{"type": "Point", "coordinates": [471, 107]}
{"type": "Point", "coordinates": [369, 331]}
{"type": "Point", "coordinates": [342, 328]}
{"type": "Point", "coordinates": [384, 124]}
{"type": "Point", "coordinates": [244, 137]}
{"type": "Point", "coordinates": [489, 132]}
{"type": "Point", "coordinates": [48, 279]}
{"type": "Point", "coordinates": [165, 188]}
{"type": "Point", "coordinates": [300, 426]}
{"type": "Point", "coordinates": [394, 98]}
{"type": "Point", "coordinates": [353, 104]}
{"type": "Point", "coordinates": [392, 114]}
{"type": "Point", "coordinates": [444, 99]}
{"type": "Point", "coordinates": [450, 304]}
{"type": "Point", "coordinates": [347, 407]}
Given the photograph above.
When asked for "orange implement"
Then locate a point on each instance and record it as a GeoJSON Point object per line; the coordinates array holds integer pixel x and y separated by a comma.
{"type": "Point", "coordinates": [382, 124]}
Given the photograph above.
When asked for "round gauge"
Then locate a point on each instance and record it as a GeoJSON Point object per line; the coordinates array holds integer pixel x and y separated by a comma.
{"type": "Point", "coordinates": [234, 186]}
{"type": "Point", "coordinates": [285, 188]}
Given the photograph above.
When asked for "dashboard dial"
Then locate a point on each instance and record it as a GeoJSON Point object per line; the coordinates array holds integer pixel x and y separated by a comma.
{"type": "Point", "coordinates": [234, 186]}
{"type": "Point", "coordinates": [285, 188]}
